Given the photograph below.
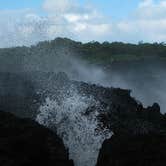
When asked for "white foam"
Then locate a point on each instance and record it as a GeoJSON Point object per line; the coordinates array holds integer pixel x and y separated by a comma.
{"type": "Point", "coordinates": [77, 130]}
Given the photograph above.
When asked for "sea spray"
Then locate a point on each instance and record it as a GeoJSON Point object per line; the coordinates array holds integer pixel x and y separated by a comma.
{"type": "Point", "coordinates": [77, 129]}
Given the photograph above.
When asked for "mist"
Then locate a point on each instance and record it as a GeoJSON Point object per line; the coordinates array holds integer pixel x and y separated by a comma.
{"type": "Point", "coordinates": [83, 82]}
{"type": "Point", "coordinates": [63, 110]}
{"type": "Point", "coordinates": [145, 79]}
{"type": "Point", "coordinates": [146, 82]}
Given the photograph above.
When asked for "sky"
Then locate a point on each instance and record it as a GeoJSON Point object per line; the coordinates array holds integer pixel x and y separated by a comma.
{"type": "Point", "coordinates": [25, 22]}
{"type": "Point", "coordinates": [114, 8]}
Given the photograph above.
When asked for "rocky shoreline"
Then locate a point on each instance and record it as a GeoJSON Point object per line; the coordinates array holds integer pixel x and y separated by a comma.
{"type": "Point", "coordinates": [139, 133]}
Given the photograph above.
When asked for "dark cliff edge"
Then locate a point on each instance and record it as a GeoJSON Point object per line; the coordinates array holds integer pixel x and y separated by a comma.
{"type": "Point", "coordinates": [139, 137]}
{"type": "Point", "coordinates": [24, 142]}
{"type": "Point", "coordinates": [27, 78]}
{"type": "Point", "coordinates": [136, 150]}
{"type": "Point", "coordinates": [139, 133]}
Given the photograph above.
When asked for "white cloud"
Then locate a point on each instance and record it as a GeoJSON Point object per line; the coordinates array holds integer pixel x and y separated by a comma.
{"type": "Point", "coordinates": [149, 31]}
{"type": "Point", "coordinates": [71, 17]}
{"type": "Point", "coordinates": [66, 18]}
{"type": "Point", "coordinates": [88, 32]}
{"type": "Point", "coordinates": [146, 3]}
{"type": "Point", "coordinates": [149, 9]}
{"type": "Point", "coordinates": [148, 23]}
{"type": "Point", "coordinates": [58, 6]}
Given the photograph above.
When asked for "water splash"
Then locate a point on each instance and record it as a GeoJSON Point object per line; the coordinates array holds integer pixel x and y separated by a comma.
{"type": "Point", "coordinates": [77, 129]}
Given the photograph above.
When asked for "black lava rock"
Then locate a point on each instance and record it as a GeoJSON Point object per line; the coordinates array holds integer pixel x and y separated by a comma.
{"type": "Point", "coordinates": [24, 142]}
{"type": "Point", "coordinates": [140, 150]}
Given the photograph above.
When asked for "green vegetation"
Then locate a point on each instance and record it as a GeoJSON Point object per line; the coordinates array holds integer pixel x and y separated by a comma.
{"type": "Point", "coordinates": [106, 52]}
{"type": "Point", "coordinates": [117, 51]}
{"type": "Point", "coordinates": [92, 52]}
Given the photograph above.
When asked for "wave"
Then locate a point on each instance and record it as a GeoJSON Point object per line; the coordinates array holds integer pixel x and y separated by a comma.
{"type": "Point", "coordinates": [77, 128]}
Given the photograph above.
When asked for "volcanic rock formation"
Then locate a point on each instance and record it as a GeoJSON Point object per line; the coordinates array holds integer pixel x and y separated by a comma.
{"type": "Point", "coordinates": [24, 142]}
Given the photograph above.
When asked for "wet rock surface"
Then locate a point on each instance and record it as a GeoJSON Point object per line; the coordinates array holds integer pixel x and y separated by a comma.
{"type": "Point", "coordinates": [139, 133]}
{"type": "Point", "coordinates": [119, 112]}
{"type": "Point", "coordinates": [18, 94]}
{"type": "Point", "coordinates": [23, 142]}
{"type": "Point", "coordinates": [137, 150]}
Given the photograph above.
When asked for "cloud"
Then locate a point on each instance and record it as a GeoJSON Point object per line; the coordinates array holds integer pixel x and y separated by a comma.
{"type": "Point", "coordinates": [58, 6]}
{"type": "Point", "coordinates": [147, 23]}
{"type": "Point", "coordinates": [145, 3]}
{"type": "Point", "coordinates": [21, 27]}
{"type": "Point", "coordinates": [67, 18]}
{"type": "Point", "coordinates": [149, 9]}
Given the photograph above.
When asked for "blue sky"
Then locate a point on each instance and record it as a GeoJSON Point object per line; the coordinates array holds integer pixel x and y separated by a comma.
{"type": "Point", "coordinates": [117, 9]}
{"type": "Point", "coordinates": [25, 22]}
{"type": "Point", "coordinates": [19, 4]}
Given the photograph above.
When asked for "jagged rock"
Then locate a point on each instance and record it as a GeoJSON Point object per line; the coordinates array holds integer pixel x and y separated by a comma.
{"type": "Point", "coordinates": [24, 142]}
{"type": "Point", "coordinates": [139, 133]}
{"type": "Point", "coordinates": [18, 94]}
{"type": "Point", "coordinates": [121, 113]}
{"type": "Point", "coordinates": [117, 112]}
{"type": "Point", "coordinates": [140, 150]}
{"type": "Point", "coordinates": [154, 108]}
